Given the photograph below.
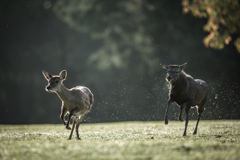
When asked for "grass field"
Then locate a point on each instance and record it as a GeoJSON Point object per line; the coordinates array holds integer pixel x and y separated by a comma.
{"type": "Point", "coordinates": [216, 140]}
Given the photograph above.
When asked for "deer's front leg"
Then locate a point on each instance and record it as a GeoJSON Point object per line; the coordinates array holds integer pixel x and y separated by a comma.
{"type": "Point", "coordinates": [63, 113]}
{"type": "Point", "coordinates": [70, 116]}
{"type": "Point", "coordinates": [184, 105]}
{"type": "Point", "coordinates": [186, 123]}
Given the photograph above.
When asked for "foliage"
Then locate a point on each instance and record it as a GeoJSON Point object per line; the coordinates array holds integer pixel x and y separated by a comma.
{"type": "Point", "coordinates": [120, 25]}
{"type": "Point", "coordinates": [125, 140]}
{"type": "Point", "coordinates": [223, 20]}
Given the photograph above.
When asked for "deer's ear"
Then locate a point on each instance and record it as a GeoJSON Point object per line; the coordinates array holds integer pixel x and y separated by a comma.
{"type": "Point", "coordinates": [63, 74]}
{"type": "Point", "coordinates": [165, 67]}
{"type": "Point", "coordinates": [183, 66]}
{"type": "Point", "coordinates": [47, 75]}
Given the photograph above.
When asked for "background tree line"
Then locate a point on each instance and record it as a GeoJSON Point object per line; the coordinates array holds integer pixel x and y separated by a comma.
{"type": "Point", "coordinates": [115, 48]}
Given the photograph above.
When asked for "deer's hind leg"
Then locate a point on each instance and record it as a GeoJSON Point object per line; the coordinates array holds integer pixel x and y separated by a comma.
{"type": "Point", "coordinates": [200, 109]}
{"type": "Point", "coordinates": [78, 124]}
{"type": "Point", "coordinates": [180, 114]}
{"type": "Point", "coordinates": [73, 126]}
{"type": "Point", "coordinates": [166, 113]}
{"type": "Point", "coordinates": [184, 105]}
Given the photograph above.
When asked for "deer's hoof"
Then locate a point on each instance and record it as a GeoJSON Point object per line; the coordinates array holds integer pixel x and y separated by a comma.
{"type": "Point", "coordinates": [166, 120]}
{"type": "Point", "coordinates": [77, 138]}
{"type": "Point", "coordinates": [68, 128]}
{"type": "Point", "coordinates": [180, 119]}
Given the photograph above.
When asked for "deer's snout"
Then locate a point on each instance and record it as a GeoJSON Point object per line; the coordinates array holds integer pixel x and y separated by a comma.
{"type": "Point", "coordinates": [168, 78]}
{"type": "Point", "coordinates": [48, 87]}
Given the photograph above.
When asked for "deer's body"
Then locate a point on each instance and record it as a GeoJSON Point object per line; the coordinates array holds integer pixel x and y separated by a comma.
{"type": "Point", "coordinates": [187, 88]}
{"type": "Point", "coordinates": [79, 97]}
{"type": "Point", "coordinates": [186, 92]}
{"type": "Point", "coordinates": [76, 101]}
{"type": "Point", "coordinates": [84, 102]}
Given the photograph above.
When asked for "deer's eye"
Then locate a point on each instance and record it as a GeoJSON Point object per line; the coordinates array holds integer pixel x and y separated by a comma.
{"type": "Point", "coordinates": [56, 81]}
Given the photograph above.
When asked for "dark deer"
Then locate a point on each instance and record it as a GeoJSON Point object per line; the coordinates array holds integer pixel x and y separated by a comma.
{"type": "Point", "coordinates": [76, 101]}
{"type": "Point", "coordinates": [186, 92]}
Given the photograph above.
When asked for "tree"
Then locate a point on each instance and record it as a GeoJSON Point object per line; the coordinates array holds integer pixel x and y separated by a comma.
{"type": "Point", "coordinates": [119, 25]}
{"type": "Point", "coordinates": [223, 20]}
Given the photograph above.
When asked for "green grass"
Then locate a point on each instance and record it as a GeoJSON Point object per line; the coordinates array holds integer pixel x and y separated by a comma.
{"type": "Point", "coordinates": [127, 140]}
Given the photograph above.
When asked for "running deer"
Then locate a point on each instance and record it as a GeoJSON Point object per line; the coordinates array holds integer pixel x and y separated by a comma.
{"type": "Point", "coordinates": [76, 101]}
{"type": "Point", "coordinates": [186, 92]}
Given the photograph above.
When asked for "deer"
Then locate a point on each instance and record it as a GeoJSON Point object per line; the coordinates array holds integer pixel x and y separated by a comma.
{"type": "Point", "coordinates": [77, 101]}
{"type": "Point", "coordinates": [186, 92]}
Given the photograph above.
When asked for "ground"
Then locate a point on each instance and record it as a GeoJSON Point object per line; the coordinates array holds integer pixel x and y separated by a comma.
{"type": "Point", "coordinates": [215, 140]}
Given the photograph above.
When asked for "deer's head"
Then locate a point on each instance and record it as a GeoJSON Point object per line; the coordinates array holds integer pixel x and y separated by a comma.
{"type": "Point", "coordinates": [173, 71]}
{"type": "Point", "coordinates": [54, 81]}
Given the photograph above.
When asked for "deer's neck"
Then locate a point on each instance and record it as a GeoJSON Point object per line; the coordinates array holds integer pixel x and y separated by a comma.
{"type": "Point", "coordinates": [181, 84]}
{"type": "Point", "coordinates": [64, 93]}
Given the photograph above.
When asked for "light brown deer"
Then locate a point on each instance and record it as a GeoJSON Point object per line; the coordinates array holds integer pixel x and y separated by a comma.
{"type": "Point", "coordinates": [76, 101]}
